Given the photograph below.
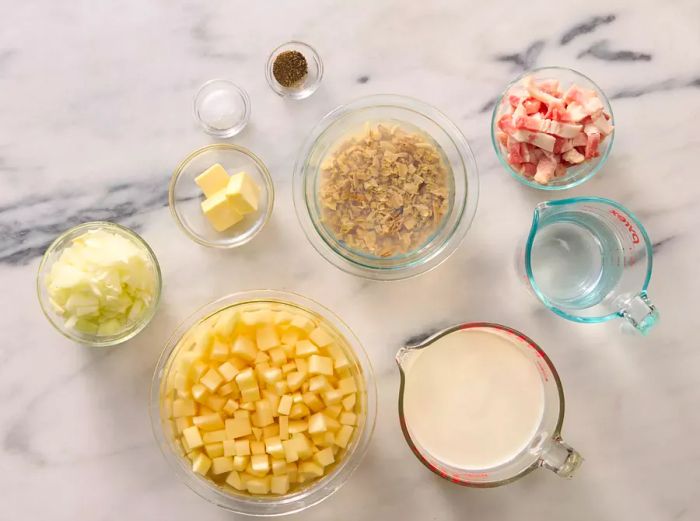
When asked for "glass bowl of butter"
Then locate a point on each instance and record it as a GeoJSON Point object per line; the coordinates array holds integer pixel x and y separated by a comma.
{"type": "Point", "coordinates": [221, 195]}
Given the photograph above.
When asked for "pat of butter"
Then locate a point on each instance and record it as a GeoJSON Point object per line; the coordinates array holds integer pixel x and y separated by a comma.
{"type": "Point", "coordinates": [221, 214]}
{"type": "Point", "coordinates": [242, 193]}
{"type": "Point", "coordinates": [212, 180]}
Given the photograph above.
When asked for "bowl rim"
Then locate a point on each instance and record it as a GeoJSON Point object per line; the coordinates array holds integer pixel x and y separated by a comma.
{"type": "Point", "coordinates": [230, 131]}
{"type": "Point", "coordinates": [466, 208]}
{"type": "Point", "coordinates": [112, 340]}
{"type": "Point", "coordinates": [267, 181]}
{"type": "Point", "coordinates": [519, 177]}
{"type": "Point", "coordinates": [274, 506]}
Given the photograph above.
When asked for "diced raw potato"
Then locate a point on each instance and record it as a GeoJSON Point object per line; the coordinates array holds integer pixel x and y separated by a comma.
{"type": "Point", "coordinates": [347, 386]}
{"type": "Point", "coordinates": [182, 423]}
{"type": "Point", "coordinates": [215, 403]}
{"type": "Point", "coordinates": [320, 337]}
{"type": "Point", "coordinates": [193, 437]}
{"type": "Point", "coordinates": [271, 431]}
{"type": "Point", "coordinates": [348, 418]}
{"type": "Point", "coordinates": [229, 389]}
{"type": "Point", "coordinates": [201, 464]}
{"type": "Point", "coordinates": [230, 406]}
{"type": "Point", "coordinates": [241, 413]}
{"type": "Point", "coordinates": [294, 380]}
{"type": "Point", "coordinates": [290, 451]}
{"type": "Point", "coordinates": [237, 428]}
{"type": "Point", "coordinates": [214, 450]}
{"type": "Point", "coordinates": [319, 383]}
{"type": "Point", "coordinates": [259, 486]}
{"type": "Point", "coordinates": [332, 423]}
{"type": "Point", "coordinates": [282, 317]}
{"type": "Point", "coordinates": [332, 397]}
{"type": "Point", "coordinates": [284, 427]}
{"type": "Point", "coordinates": [324, 457]}
{"type": "Point", "coordinates": [256, 318]}
{"type": "Point", "coordinates": [273, 446]}
{"type": "Point", "coordinates": [246, 379]}
{"type": "Point", "coordinates": [229, 447]}
{"type": "Point", "coordinates": [312, 401]}
{"type": "Point", "coordinates": [349, 402]}
{"type": "Point", "coordinates": [309, 469]}
{"type": "Point", "coordinates": [320, 365]}
{"type": "Point", "coordinates": [277, 356]}
{"type": "Point", "coordinates": [289, 367]}
{"type": "Point", "coordinates": [257, 447]}
{"type": "Point", "coordinates": [198, 369]}
{"type": "Point", "coordinates": [211, 379]}
{"type": "Point", "coordinates": [214, 436]}
{"type": "Point", "coordinates": [296, 426]}
{"type": "Point", "coordinates": [302, 366]}
{"type": "Point", "coordinates": [297, 397]}
{"type": "Point", "coordinates": [305, 348]}
{"type": "Point", "coordinates": [221, 465]}
{"type": "Point", "coordinates": [257, 433]}
{"type": "Point", "coordinates": [280, 387]}
{"type": "Point", "coordinates": [272, 375]}
{"type": "Point", "coordinates": [290, 337]}
{"type": "Point", "coordinates": [279, 466]}
{"type": "Point", "coordinates": [302, 444]}
{"type": "Point", "coordinates": [228, 371]}
{"type": "Point", "coordinates": [219, 351]}
{"type": "Point", "coordinates": [260, 463]}
{"type": "Point", "coordinates": [234, 480]}
{"type": "Point", "coordinates": [279, 484]}
{"type": "Point", "coordinates": [298, 411]}
{"type": "Point", "coordinates": [267, 337]}
{"type": "Point", "coordinates": [244, 348]}
{"type": "Point", "coordinates": [210, 422]}
{"type": "Point", "coordinates": [263, 414]}
{"type": "Point", "coordinates": [183, 407]}
{"type": "Point", "coordinates": [240, 462]}
{"type": "Point", "coordinates": [250, 395]}
{"type": "Point", "coordinates": [302, 323]}
{"type": "Point", "coordinates": [342, 437]}
{"type": "Point", "coordinates": [317, 423]}
{"type": "Point", "coordinates": [242, 447]}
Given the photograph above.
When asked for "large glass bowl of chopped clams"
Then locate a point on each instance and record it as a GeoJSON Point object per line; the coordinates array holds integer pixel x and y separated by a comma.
{"type": "Point", "coordinates": [385, 187]}
{"type": "Point", "coordinates": [263, 402]}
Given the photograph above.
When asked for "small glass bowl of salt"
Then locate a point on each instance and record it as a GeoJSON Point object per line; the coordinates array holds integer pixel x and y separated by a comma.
{"type": "Point", "coordinates": [222, 108]}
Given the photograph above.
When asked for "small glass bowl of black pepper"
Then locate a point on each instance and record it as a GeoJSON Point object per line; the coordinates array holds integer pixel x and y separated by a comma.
{"type": "Point", "coordinates": [294, 70]}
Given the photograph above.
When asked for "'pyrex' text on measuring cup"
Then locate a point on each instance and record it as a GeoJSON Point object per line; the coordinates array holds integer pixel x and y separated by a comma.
{"type": "Point", "coordinates": [589, 259]}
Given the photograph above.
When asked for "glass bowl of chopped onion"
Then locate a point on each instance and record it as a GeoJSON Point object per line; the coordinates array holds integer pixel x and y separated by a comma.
{"type": "Point", "coordinates": [99, 284]}
{"type": "Point", "coordinates": [385, 187]}
{"type": "Point", "coordinates": [552, 128]}
{"type": "Point", "coordinates": [264, 454]}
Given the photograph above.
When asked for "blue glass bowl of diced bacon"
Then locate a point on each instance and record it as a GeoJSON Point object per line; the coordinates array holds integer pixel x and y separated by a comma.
{"type": "Point", "coordinates": [552, 128]}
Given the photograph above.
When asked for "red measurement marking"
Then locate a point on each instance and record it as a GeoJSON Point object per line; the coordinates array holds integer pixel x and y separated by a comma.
{"type": "Point", "coordinates": [628, 225]}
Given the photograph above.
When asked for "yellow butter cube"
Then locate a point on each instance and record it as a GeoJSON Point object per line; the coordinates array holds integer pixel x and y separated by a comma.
{"type": "Point", "coordinates": [305, 348]}
{"type": "Point", "coordinates": [342, 437]}
{"type": "Point", "coordinates": [183, 407]}
{"type": "Point", "coordinates": [244, 348]}
{"type": "Point", "coordinates": [229, 447]}
{"type": "Point", "coordinates": [242, 447]}
{"type": "Point", "coordinates": [211, 379]}
{"type": "Point", "coordinates": [228, 371]}
{"type": "Point", "coordinates": [201, 464]}
{"type": "Point", "coordinates": [212, 180]}
{"type": "Point", "coordinates": [257, 485]}
{"type": "Point", "coordinates": [240, 462]}
{"type": "Point", "coordinates": [237, 428]}
{"type": "Point", "coordinates": [220, 213]}
{"type": "Point", "coordinates": [320, 365]}
{"type": "Point", "coordinates": [279, 484]}
{"type": "Point", "coordinates": [234, 480]}
{"type": "Point", "coordinates": [214, 436]}
{"type": "Point", "coordinates": [324, 457]}
{"type": "Point", "coordinates": [221, 465]}
{"type": "Point", "coordinates": [260, 463]}
{"type": "Point", "coordinates": [242, 193]}
{"type": "Point", "coordinates": [320, 337]}
{"type": "Point", "coordinates": [349, 402]}
{"type": "Point", "coordinates": [266, 337]}
{"type": "Point", "coordinates": [193, 437]}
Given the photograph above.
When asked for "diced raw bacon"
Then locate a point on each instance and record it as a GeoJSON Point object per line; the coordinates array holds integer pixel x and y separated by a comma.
{"type": "Point", "coordinates": [539, 139]}
{"type": "Point", "coordinates": [602, 124]}
{"type": "Point", "coordinates": [545, 170]}
{"type": "Point", "coordinates": [573, 156]}
{"type": "Point", "coordinates": [532, 105]}
{"type": "Point", "coordinates": [544, 131]}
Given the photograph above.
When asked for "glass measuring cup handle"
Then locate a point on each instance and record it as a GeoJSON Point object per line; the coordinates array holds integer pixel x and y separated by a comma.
{"type": "Point", "coordinates": [560, 458]}
{"type": "Point", "coordinates": [639, 312]}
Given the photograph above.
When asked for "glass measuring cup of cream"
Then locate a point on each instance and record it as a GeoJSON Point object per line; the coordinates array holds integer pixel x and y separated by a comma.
{"type": "Point", "coordinates": [482, 405]}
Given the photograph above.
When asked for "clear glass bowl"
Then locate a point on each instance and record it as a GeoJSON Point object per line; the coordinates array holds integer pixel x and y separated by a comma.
{"type": "Point", "coordinates": [52, 254]}
{"type": "Point", "coordinates": [346, 120]}
{"type": "Point", "coordinates": [313, 76]}
{"type": "Point", "coordinates": [184, 196]}
{"type": "Point", "coordinates": [221, 108]}
{"type": "Point", "coordinates": [295, 501]}
{"type": "Point", "coordinates": [575, 175]}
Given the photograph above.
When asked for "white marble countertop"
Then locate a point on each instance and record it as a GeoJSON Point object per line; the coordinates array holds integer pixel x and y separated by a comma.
{"type": "Point", "coordinates": [96, 113]}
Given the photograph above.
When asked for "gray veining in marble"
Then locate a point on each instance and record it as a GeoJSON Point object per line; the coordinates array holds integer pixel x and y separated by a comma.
{"type": "Point", "coordinates": [95, 113]}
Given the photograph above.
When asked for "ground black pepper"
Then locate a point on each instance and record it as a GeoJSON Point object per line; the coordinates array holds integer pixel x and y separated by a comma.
{"type": "Point", "coordinates": [290, 68]}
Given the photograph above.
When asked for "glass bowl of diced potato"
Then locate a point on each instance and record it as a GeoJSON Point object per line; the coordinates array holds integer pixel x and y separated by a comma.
{"type": "Point", "coordinates": [263, 402]}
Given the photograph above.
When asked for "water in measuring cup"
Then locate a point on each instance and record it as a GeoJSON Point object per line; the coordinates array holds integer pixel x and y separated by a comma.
{"type": "Point", "coordinates": [576, 259]}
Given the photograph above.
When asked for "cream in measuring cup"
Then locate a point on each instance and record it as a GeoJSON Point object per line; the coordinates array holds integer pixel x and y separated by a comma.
{"type": "Point", "coordinates": [481, 404]}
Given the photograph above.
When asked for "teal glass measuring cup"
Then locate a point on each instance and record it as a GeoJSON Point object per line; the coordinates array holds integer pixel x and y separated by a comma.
{"type": "Point", "coordinates": [589, 260]}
